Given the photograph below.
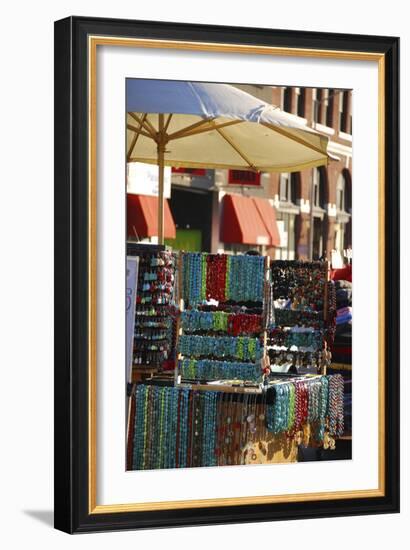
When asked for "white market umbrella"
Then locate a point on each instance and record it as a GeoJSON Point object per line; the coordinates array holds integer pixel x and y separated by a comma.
{"type": "Point", "coordinates": [209, 125]}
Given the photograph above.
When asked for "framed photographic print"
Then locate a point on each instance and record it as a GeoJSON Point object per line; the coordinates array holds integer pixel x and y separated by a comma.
{"type": "Point", "coordinates": [225, 199]}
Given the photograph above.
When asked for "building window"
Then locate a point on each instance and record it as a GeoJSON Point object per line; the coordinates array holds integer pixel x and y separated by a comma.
{"type": "Point", "coordinates": [320, 104]}
{"type": "Point", "coordinates": [341, 194]}
{"type": "Point", "coordinates": [343, 111]}
{"type": "Point", "coordinates": [317, 244]}
{"type": "Point", "coordinates": [288, 187]}
{"type": "Point", "coordinates": [329, 109]}
{"type": "Point", "coordinates": [316, 193]}
{"type": "Point", "coordinates": [301, 96]}
{"type": "Point", "coordinates": [286, 224]}
{"type": "Point", "coordinates": [319, 188]}
{"type": "Point", "coordinates": [339, 237]}
{"type": "Point", "coordinates": [287, 100]}
{"type": "Point", "coordinates": [284, 185]}
{"type": "Point", "coordinates": [317, 94]}
{"type": "Point", "coordinates": [347, 190]}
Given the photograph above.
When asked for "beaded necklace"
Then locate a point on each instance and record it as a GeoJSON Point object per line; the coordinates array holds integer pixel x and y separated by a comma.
{"type": "Point", "coordinates": [191, 407]}
{"type": "Point", "coordinates": [204, 276]}
{"type": "Point", "coordinates": [197, 429]}
{"type": "Point", "coordinates": [149, 405]}
{"type": "Point", "coordinates": [278, 415]}
{"type": "Point", "coordinates": [335, 405]}
{"type": "Point", "coordinates": [323, 407]}
{"type": "Point", "coordinates": [209, 430]}
{"type": "Point", "coordinates": [139, 407]}
{"type": "Point", "coordinates": [183, 428]}
{"type": "Point", "coordinates": [241, 347]}
{"type": "Point", "coordinates": [208, 369]}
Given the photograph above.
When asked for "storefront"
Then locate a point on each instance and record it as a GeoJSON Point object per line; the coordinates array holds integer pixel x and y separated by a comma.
{"type": "Point", "coordinates": [247, 223]}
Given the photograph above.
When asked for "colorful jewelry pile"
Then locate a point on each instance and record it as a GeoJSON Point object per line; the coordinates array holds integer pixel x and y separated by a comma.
{"type": "Point", "coordinates": [235, 324]}
{"type": "Point", "coordinates": [173, 427]}
{"type": "Point", "coordinates": [222, 278]}
{"type": "Point", "coordinates": [317, 402]}
{"type": "Point", "coordinates": [222, 325]}
{"type": "Point", "coordinates": [294, 317]}
{"type": "Point", "coordinates": [301, 282]}
{"type": "Point", "coordinates": [301, 316]}
{"type": "Point", "coordinates": [205, 369]}
{"type": "Point", "coordinates": [303, 338]}
{"type": "Point", "coordinates": [230, 347]}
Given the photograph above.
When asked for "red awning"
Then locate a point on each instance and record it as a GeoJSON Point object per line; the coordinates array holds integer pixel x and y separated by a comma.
{"type": "Point", "coordinates": [241, 222]}
{"type": "Point", "coordinates": [142, 217]}
{"type": "Point", "coordinates": [268, 215]}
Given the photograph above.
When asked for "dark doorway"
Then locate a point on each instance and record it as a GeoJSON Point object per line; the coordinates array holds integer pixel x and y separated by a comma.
{"type": "Point", "coordinates": [192, 213]}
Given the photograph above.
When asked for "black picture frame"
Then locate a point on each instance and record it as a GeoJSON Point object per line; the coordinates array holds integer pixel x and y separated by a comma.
{"type": "Point", "coordinates": [71, 486]}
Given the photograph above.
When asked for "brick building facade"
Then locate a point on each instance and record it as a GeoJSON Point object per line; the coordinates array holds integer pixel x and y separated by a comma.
{"type": "Point", "coordinates": [329, 188]}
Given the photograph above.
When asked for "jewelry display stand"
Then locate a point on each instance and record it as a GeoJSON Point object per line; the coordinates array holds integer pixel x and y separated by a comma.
{"type": "Point", "coordinates": [222, 391]}
{"type": "Point", "coordinates": [155, 316]}
{"type": "Point", "coordinates": [300, 335]}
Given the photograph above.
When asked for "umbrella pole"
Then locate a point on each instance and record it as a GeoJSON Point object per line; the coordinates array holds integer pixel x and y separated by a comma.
{"type": "Point", "coordinates": [161, 151]}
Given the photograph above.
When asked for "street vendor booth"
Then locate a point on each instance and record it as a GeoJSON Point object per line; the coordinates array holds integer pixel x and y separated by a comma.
{"type": "Point", "coordinates": [230, 352]}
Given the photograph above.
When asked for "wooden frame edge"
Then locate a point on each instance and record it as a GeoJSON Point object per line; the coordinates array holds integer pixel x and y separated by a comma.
{"type": "Point", "coordinates": [93, 42]}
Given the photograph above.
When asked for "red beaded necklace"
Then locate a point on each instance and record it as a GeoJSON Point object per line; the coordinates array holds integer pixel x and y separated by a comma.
{"type": "Point", "coordinates": [216, 277]}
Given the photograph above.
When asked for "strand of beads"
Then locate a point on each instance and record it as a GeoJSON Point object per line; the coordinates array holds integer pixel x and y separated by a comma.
{"type": "Point", "coordinates": [301, 404]}
{"type": "Point", "coordinates": [193, 277]}
{"type": "Point", "coordinates": [139, 443]}
{"type": "Point", "coordinates": [335, 405]}
{"type": "Point", "coordinates": [295, 317]}
{"type": "Point", "coordinates": [235, 324]}
{"type": "Point", "coordinates": [323, 404]}
{"type": "Point", "coordinates": [209, 429]}
{"type": "Point", "coordinates": [207, 369]}
{"type": "Point", "coordinates": [331, 313]}
{"type": "Point", "coordinates": [304, 338]}
{"type": "Point", "coordinates": [216, 277]}
{"type": "Point", "coordinates": [242, 323]}
{"type": "Point", "coordinates": [246, 278]}
{"type": "Point", "coordinates": [161, 430]}
{"type": "Point", "coordinates": [172, 440]}
{"type": "Point", "coordinates": [280, 416]}
{"type": "Point", "coordinates": [313, 400]}
{"type": "Point", "coordinates": [295, 404]}
{"type": "Point", "coordinates": [182, 435]}
{"type": "Point", "coordinates": [228, 277]}
{"type": "Point", "coordinates": [203, 276]}
{"type": "Point", "coordinates": [291, 412]}
{"type": "Point", "coordinates": [272, 413]}
{"type": "Point", "coordinates": [242, 347]}
{"type": "Point", "coordinates": [222, 277]}
{"type": "Point", "coordinates": [193, 320]}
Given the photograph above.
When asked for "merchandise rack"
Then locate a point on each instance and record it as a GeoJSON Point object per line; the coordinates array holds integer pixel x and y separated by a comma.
{"type": "Point", "coordinates": [228, 306]}
{"type": "Point", "coordinates": [238, 392]}
{"type": "Point", "coordinates": [303, 317]}
{"type": "Point", "coordinates": [144, 333]}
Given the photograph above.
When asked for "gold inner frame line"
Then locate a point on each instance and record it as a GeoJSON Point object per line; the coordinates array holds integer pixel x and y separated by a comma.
{"type": "Point", "coordinates": [93, 43]}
